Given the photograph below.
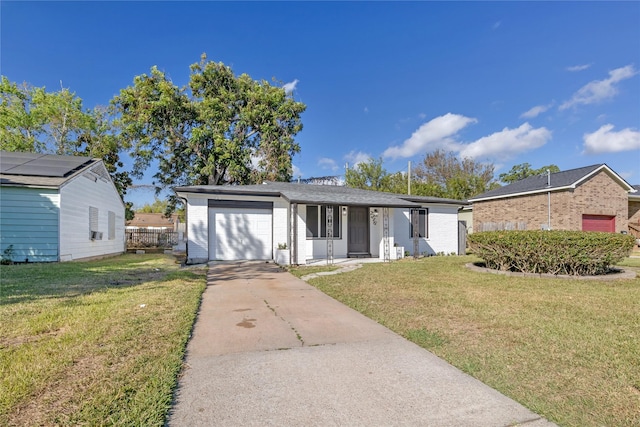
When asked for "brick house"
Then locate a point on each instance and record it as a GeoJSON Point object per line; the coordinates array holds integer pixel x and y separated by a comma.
{"type": "Point", "coordinates": [591, 198]}
{"type": "Point", "coordinates": [634, 212]}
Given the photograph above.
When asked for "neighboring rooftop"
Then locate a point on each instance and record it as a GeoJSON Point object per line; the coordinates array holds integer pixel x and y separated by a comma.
{"type": "Point", "coordinates": [319, 194]}
{"type": "Point", "coordinates": [148, 219]}
{"type": "Point", "coordinates": [558, 181]}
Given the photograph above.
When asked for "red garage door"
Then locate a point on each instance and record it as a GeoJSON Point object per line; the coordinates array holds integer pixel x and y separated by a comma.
{"type": "Point", "coordinates": [599, 223]}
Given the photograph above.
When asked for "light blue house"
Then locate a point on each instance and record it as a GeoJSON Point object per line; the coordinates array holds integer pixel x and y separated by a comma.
{"type": "Point", "coordinates": [58, 208]}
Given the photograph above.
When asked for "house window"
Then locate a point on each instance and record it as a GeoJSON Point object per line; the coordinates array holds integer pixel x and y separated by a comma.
{"type": "Point", "coordinates": [94, 234]}
{"type": "Point", "coordinates": [317, 222]}
{"type": "Point", "coordinates": [112, 225]}
{"type": "Point", "coordinates": [423, 222]}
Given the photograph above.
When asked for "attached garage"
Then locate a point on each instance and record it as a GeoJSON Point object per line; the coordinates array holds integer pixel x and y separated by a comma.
{"type": "Point", "coordinates": [240, 230]}
{"type": "Point", "coordinates": [604, 223]}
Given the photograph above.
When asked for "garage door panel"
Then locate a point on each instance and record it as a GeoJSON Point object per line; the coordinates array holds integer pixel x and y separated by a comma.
{"type": "Point", "coordinates": [599, 223]}
{"type": "Point", "coordinates": [240, 234]}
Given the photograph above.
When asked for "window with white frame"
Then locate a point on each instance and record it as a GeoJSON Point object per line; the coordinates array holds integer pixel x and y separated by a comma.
{"type": "Point", "coordinates": [317, 222]}
{"type": "Point", "coordinates": [423, 222]}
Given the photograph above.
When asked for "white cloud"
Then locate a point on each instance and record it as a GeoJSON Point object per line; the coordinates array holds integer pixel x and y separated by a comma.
{"type": "Point", "coordinates": [290, 87]}
{"type": "Point", "coordinates": [535, 111]}
{"type": "Point", "coordinates": [581, 67]}
{"type": "Point", "coordinates": [507, 143]}
{"type": "Point", "coordinates": [327, 163]}
{"type": "Point", "coordinates": [296, 171]}
{"type": "Point", "coordinates": [599, 90]}
{"type": "Point", "coordinates": [605, 140]}
{"type": "Point", "coordinates": [355, 157]}
{"type": "Point", "coordinates": [496, 25]}
{"type": "Point", "coordinates": [436, 133]}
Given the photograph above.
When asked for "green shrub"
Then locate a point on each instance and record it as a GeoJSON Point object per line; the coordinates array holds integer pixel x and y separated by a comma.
{"type": "Point", "coordinates": [555, 252]}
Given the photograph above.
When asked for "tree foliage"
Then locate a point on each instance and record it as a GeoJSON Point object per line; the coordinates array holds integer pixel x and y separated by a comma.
{"type": "Point", "coordinates": [440, 174]}
{"type": "Point", "coordinates": [443, 174]}
{"type": "Point", "coordinates": [35, 120]}
{"type": "Point", "coordinates": [524, 170]}
{"type": "Point", "coordinates": [219, 129]}
{"type": "Point", "coordinates": [370, 175]}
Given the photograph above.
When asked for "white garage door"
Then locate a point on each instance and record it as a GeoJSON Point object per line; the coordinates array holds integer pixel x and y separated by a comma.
{"type": "Point", "coordinates": [240, 234]}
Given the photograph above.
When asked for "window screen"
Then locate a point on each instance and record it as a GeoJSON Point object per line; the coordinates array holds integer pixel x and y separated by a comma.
{"type": "Point", "coordinates": [423, 223]}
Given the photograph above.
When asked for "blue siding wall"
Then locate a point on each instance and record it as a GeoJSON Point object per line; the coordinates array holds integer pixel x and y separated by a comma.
{"type": "Point", "coordinates": [29, 222]}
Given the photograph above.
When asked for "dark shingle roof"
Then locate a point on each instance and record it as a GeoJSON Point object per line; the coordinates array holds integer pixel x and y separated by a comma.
{"type": "Point", "coordinates": [319, 194]}
{"type": "Point", "coordinates": [536, 184]}
{"type": "Point", "coordinates": [40, 170]}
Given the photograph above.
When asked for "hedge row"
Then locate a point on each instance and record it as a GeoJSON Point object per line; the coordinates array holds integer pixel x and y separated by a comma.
{"type": "Point", "coordinates": [555, 252]}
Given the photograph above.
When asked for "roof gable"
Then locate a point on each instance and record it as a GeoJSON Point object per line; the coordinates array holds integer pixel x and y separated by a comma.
{"type": "Point", "coordinates": [554, 182]}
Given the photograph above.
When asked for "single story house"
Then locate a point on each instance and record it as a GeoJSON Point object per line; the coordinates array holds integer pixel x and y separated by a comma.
{"type": "Point", "coordinates": [58, 208]}
{"type": "Point", "coordinates": [591, 198]}
{"type": "Point", "coordinates": [252, 222]}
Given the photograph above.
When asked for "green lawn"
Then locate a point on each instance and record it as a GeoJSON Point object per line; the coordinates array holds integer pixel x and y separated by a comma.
{"type": "Point", "coordinates": [567, 349]}
{"type": "Point", "coordinates": [94, 343]}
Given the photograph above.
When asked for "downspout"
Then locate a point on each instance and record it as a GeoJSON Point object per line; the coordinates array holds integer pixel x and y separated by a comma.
{"type": "Point", "coordinates": [548, 200]}
{"type": "Point", "coordinates": [186, 228]}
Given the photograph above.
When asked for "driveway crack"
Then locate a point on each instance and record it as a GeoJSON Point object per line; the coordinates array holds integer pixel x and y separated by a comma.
{"type": "Point", "coordinates": [295, 331]}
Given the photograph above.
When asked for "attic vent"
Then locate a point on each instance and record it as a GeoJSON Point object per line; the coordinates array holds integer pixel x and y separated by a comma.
{"type": "Point", "coordinates": [100, 171]}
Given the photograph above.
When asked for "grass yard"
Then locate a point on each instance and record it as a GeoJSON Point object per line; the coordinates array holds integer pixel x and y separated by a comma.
{"type": "Point", "coordinates": [567, 349]}
{"type": "Point", "coordinates": [94, 343]}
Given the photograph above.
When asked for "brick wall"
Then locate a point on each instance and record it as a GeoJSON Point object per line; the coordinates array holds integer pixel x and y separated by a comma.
{"type": "Point", "coordinates": [599, 195]}
{"type": "Point", "coordinates": [634, 212]}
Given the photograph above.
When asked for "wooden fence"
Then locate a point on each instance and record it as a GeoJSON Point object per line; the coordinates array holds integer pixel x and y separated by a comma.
{"type": "Point", "coordinates": [143, 238]}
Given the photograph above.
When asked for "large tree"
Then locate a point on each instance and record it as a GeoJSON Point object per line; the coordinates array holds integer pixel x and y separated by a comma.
{"type": "Point", "coordinates": [443, 174]}
{"type": "Point", "coordinates": [219, 129]}
{"type": "Point", "coordinates": [524, 170]}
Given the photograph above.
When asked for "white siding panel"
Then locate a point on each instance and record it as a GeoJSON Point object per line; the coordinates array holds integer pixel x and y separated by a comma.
{"type": "Point", "coordinates": [77, 196]}
{"type": "Point", "coordinates": [29, 222]}
{"type": "Point", "coordinates": [198, 235]}
{"type": "Point", "coordinates": [281, 219]}
{"type": "Point", "coordinates": [443, 230]}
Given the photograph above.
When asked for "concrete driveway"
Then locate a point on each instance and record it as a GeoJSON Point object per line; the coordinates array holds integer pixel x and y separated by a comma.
{"type": "Point", "coordinates": [269, 349]}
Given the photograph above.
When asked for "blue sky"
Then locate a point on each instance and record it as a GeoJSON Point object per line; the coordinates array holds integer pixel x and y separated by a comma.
{"type": "Point", "coordinates": [501, 82]}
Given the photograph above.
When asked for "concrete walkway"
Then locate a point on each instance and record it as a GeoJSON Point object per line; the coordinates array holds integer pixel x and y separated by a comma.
{"type": "Point", "coordinates": [270, 350]}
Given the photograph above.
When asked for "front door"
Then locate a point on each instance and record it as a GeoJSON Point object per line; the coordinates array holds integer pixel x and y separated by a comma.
{"type": "Point", "coordinates": [358, 232]}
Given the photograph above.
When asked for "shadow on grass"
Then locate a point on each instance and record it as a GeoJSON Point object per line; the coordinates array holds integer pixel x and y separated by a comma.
{"type": "Point", "coordinates": [28, 282]}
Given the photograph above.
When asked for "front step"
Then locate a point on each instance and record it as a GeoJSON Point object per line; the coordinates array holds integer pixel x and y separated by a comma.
{"type": "Point", "coordinates": [359, 255]}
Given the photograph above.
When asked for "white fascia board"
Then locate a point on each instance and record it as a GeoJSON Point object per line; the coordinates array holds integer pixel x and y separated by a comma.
{"type": "Point", "coordinates": [524, 193]}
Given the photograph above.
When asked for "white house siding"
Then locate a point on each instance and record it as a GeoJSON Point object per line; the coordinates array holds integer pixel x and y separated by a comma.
{"type": "Point", "coordinates": [29, 222]}
{"type": "Point", "coordinates": [443, 230]}
{"type": "Point", "coordinates": [281, 220]}
{"type": "Point", "coordinates": [76, 198]}
{"type": "Point", "coordinates": [301, 233]}
{"type": "Point", "coordinates": [197, 222]}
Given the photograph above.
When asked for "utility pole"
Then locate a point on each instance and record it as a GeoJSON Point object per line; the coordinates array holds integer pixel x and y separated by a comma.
{"type": "Point", "coordinates": [409, 179]}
